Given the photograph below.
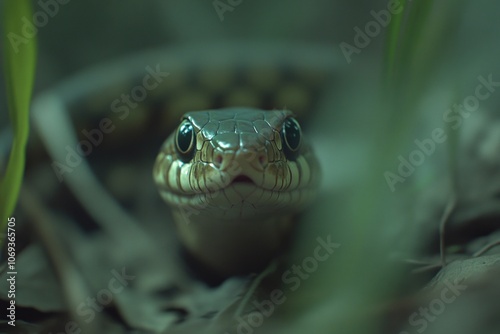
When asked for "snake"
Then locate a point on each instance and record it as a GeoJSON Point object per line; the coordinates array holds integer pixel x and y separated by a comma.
{"type": "Point", "coordinates": [235, 167]}
{"type": "Point", "coordinates": [234, 178]}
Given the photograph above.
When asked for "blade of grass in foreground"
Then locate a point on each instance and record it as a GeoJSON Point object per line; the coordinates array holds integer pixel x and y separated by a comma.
{"type": "Point", "coordinates": [363, 278]}
{"type": "Point", "coordinates": [19, 68]}
{"type": "Point", "coordinates": [394, 31]}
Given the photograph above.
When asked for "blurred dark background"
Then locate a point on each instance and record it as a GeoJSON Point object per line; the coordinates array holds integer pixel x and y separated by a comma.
{"type": "Point", "coordinates": [466, 45]}
{"type": "Point", "coordinates": [85, 33]}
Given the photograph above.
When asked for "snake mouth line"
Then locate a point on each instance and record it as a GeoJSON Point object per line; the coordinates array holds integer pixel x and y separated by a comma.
{"type": "Point", "coordinates": [238, 192]}
{"type": "Point", "coordinates": [243, 183]}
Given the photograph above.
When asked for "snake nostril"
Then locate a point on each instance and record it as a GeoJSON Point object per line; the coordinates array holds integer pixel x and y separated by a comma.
{"type": "Point", "coordinates": [218, 160]}
{"type": "Point", "coordinates": [263, 159]}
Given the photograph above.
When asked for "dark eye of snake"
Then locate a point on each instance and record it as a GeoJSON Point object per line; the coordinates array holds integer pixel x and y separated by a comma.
{"type": "Point", "coordinates": [185, 141]}
{"type": "Point", "coordinates": [291, 135]}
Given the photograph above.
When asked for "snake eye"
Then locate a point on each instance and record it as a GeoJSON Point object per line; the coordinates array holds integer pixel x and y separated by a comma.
{"type": "Point", "coordinates": [291, 135]}
{"type": "Point", "coordinates": [185, 141]}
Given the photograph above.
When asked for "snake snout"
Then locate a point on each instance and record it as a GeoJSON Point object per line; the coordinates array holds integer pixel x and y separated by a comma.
{"type": "Point", "coordinates": [243, 166]}
{"type": "Point", "coordinates": [230, 161]}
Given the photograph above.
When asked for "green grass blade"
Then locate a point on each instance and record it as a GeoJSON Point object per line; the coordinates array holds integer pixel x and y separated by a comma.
{"type": "Point", "coordinates": [19, 69]}
{"type": "Point", "coordinates": [393, 42]}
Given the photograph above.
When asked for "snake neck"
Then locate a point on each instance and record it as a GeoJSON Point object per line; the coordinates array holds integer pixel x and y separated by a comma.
{"type": "Point", "coordinates": [233, 246]}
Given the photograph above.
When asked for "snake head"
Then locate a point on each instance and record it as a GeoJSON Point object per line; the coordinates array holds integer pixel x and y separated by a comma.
{"type": "Point", "coordinates": [237, 162]}
{"type": "Point", "coordinates": [234, 179]}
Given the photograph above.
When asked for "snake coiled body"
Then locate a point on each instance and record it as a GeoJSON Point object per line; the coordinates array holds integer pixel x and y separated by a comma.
{"type": "Point", "coordinates": [234, 200]}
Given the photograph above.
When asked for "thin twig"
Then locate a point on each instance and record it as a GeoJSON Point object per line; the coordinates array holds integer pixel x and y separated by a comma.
{"type": "Point", "coordinates": [73, 285]}
{"type": "Point", "coordinates": [419, 262]}
{"type": "Point", "coordinates": [426, 268]}
{"type": "Point", "coordinates": [270, 269]}
{"type": "Point", "coordinates": [450, 206]}
{"type": "Point", "coordinates": [486, 248]}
